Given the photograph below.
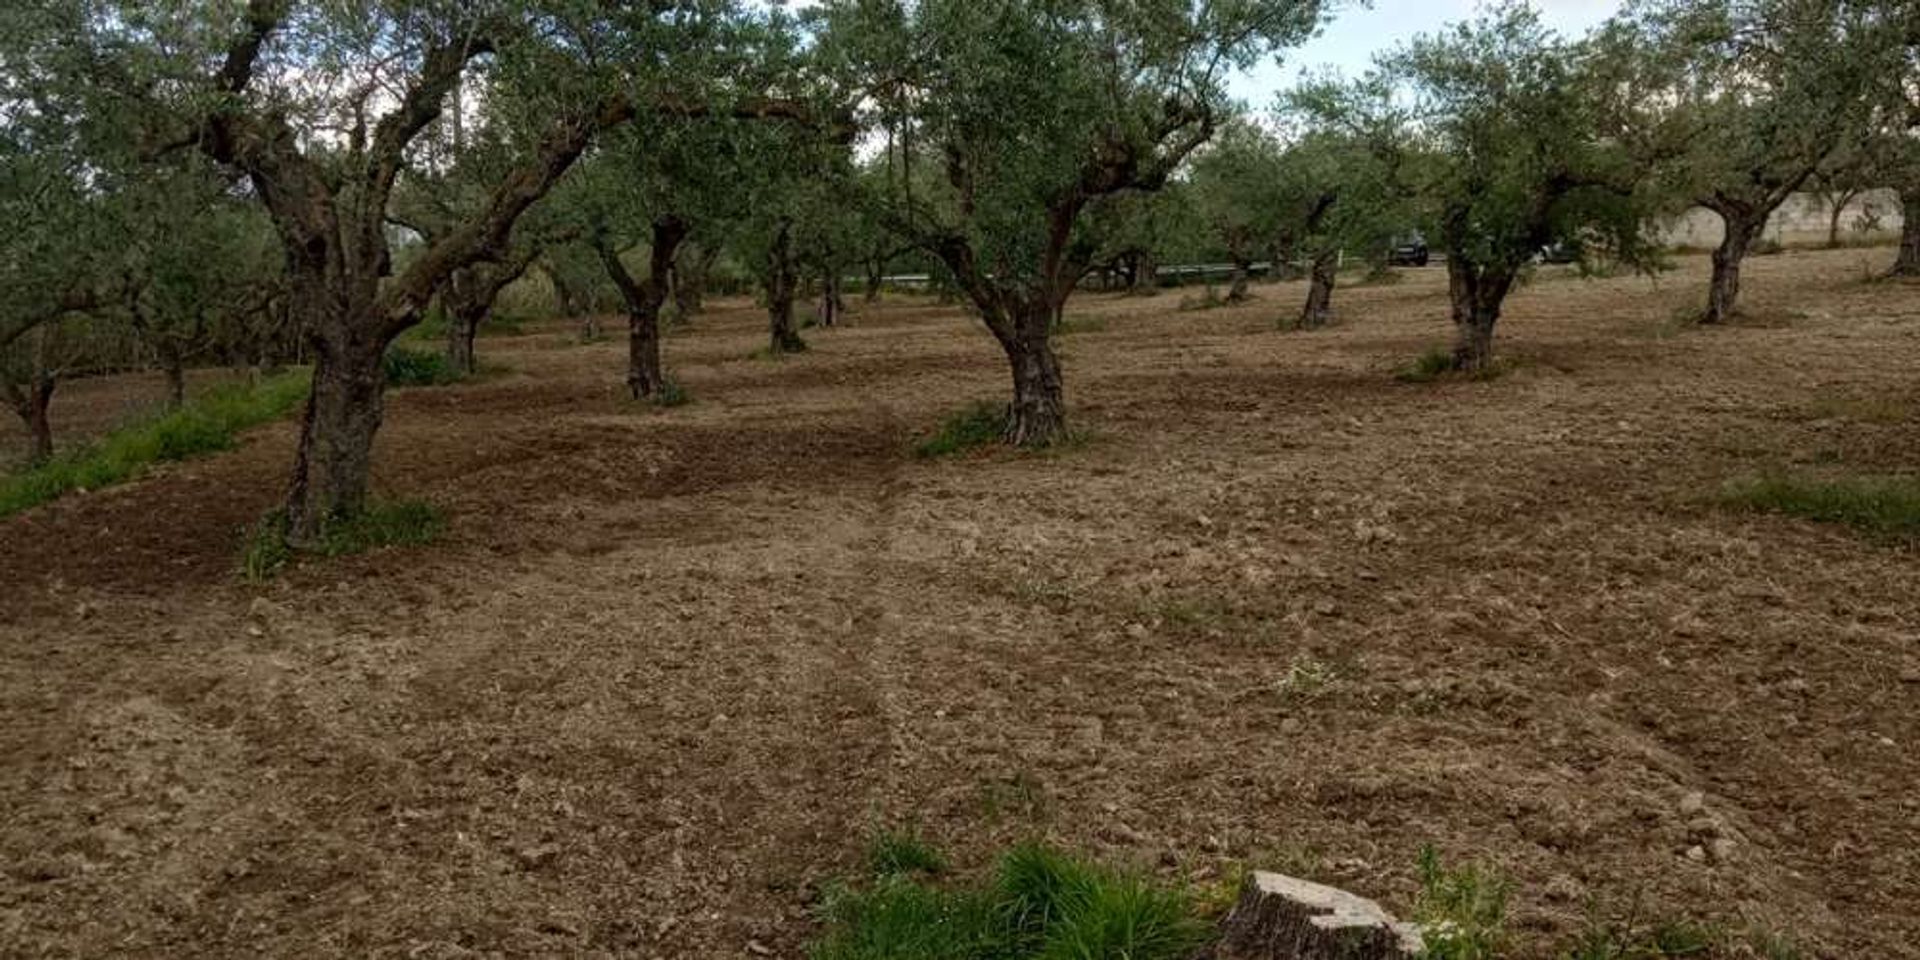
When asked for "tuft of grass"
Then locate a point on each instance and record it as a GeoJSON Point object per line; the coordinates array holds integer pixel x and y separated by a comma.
{"type": "Point", "coordinates": [1427, 367]}
{"type": "Point", "coordinates": [206, 424]}
{"type": "Point", "coordinates": [1462, 911]}
{"type": "Point", "coordinates": [903, 852]}
{"type": "Point", "coordinates": [979, 424]}
{"type": "Point", "coordinates": [1631, 940]}
{"type": "Point", "coordinates": [1437, 365]}
{"type": "Point", "coordinates": [1039, 905]}
{"type": "Point", "coordinates": [264, 552]}
{"type": "Point", "coordinates": [670, 394]}
{"type": "Point", "coordinates": [1887, 507]}
{"type": "Point", "coordinates": [407, 367]}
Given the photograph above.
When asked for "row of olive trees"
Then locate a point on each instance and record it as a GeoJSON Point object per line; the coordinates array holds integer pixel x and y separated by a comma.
{"type": "Point", "coordinates": [1499, 139]}
{"type": "Point", "coordinates": [405, 153]}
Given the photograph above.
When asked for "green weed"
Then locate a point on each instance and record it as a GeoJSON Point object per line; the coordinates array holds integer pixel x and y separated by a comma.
{"type": "Point", "coordinates": [1039, 905]}
{"type": "Point", "coordinates": [902, 852]}
{"type": "Point", "coordinates": [1882, 506]}
{"type": "Point", "coordinates": [407, 367]}
{"type": "Point", "coordinates": [1462, 912]}
{"type": "Point", "coordinates": [206, 424]}
{"type": "Point", "coordinates": [265, 553]}
{"type": "Point", "coordinates": [978, 425]}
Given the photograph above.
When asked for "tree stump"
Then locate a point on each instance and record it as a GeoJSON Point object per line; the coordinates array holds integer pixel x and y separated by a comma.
{"type": "Point", "coordinates": [1283, 918]}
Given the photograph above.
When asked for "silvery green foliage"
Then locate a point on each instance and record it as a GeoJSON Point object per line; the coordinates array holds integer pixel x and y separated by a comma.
{"type": "Point", "coordinates": [995, 112]}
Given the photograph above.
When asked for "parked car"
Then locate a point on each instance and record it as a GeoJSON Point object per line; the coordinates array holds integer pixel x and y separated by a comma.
{"type": "Point", "coordinates": [1559, 251]}
{"type": "Point", "coordinates": [1409, 251]}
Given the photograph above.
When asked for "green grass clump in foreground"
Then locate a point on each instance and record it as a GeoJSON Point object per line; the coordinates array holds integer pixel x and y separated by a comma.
{"type": "Point", "coordinates": [399, 523]}
{"type": "Point", "coordinates": [206, 424]}
{"type": "Point", "coordinates": [1039, 905]}
{"type": "Point", "coordinates": [976, 426]}
{"type": "Point", "coordinates": [1887, 507]}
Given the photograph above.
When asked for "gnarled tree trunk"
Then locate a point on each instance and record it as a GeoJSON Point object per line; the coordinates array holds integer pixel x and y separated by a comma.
{"type": "Point", "coordinates": [645, 375]}
{"type": "Point", "coordinates": [1237, 277]}
{"type": "Point", "coordinates": [344, 411]}
{"type": "Point", "coordinates": [1038, 415]}
{"type": "Point", "coordinates": [1477, 294]}
{"type": "Point", "coordinates": [876, 277]}
{"type": "Point", "coordinates": [1908, 263]}
{"type": "Point", "coordinates": [1146, 274]}
{"type": "Point", "coordinates": [1723, 294]}
{"type": "Point", "coordinates": [175, 369]}
{"type": "Point", "coordinates": [1319, 306]}
{"type": "Point", "coordinates": [782, 282]}
{"type": "Point", "coordinates": [690, 272]}
{"type": "Point", "coordinates": [832, 304]}
{"type": "Point", "coordinates": [32, 405]}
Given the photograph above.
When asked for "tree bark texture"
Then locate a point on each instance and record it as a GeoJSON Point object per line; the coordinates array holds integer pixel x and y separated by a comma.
{"type": "Point", "coordinates": [644, 298]}
{"type": "Point", "coordinates": [1038, 416]}
{"type": "Point", "coordinates": [32, 404]}
{"type": "Point", "coordinates": [782, 283]}
{"type": "Point", "coordinates": [1477, 294]}
{"type": "Point", "coordinates": [331, 467]}
{"type": "Point", "coordinates": [1723, 293]}
{"type": "Point", "coordinates": [1319, 307]}
{"type": "Point", "coordinates": [1284, 918]}
{"type": "Point", "coordinates": [1908, 263]}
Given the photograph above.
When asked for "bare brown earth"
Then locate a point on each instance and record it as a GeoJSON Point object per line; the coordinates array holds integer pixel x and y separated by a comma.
{"type": "Point", "coordinates": [670, 669]}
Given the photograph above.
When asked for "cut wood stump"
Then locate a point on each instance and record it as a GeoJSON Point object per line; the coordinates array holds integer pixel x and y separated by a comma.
{"type": "Point", "coordinates": [1285, 918]}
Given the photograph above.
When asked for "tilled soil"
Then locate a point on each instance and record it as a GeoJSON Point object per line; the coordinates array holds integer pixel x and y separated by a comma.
{"type": "Point", "coordinates": [669, 669]}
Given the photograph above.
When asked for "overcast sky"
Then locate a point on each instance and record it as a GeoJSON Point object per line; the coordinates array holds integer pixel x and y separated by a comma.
{"type": "Point", "coordinates": [1353, 37]}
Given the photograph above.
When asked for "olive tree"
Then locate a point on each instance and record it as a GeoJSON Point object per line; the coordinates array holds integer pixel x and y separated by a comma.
{"type": "Point", "coordinates": [1755, 96]}
{"type": "Point", "coordinates": [320, 106]}
{"type": "Point", "coordinates": [1508, 139]}
{"type": "Point", "coordinates": [1234, 181]}
{"type": "Point", "coordinates": [1030, 111]}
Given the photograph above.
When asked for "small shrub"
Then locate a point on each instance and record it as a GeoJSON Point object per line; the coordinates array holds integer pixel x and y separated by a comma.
{"type": "Point", "coordinates": [1462, 912]}
{"type": "Point", "coordinates": [902, 852]}
{"type": "Point", "coordinates": [1887, 507]}
{"type": "Point", "coordinates": [978, 425]}
{"type": "Point", "coordinates": [206, 424]}
{"type": "Point", "coordinates": [392, 524]}
{"type": "Point", "coordinates": [1427, 367]}
{"type": "Point", "coordinates": [1766, 247]}
{"type": "Point", "coordinates": [407, 367]}
{"type": "Point", "coordinates": [1039, 904]}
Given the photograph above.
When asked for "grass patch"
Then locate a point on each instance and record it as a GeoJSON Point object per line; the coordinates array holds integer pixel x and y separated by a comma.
{"type": "Point", "coordinates": [1436, 365]}
{"type": "Point", "coordinates": [670, 394]}
{"type": "Point", "coordinates": [393, 524]}
{"type": "Point", "coordinates": [1462, 911]}
{"type": "Point", "coordinates": [206, 424]}
{"type": "Point", "coordinates": [1631, 940]}
{"type": "Point", "coordinates": [1882, 506]}
{"type": "Point", "coordinates": [901, 853]}
{"type": "Point", "coordinates": [979, 424]}
{"type": "Point", "coordinates": [1039, 903]}
{"type": "Point", "coordinates": [407, 367]}
{"type": "Point", "coordinates": [1427, 367]}
{"type": "Point", "coordinates": [1081, 324]}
